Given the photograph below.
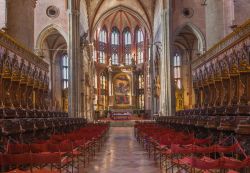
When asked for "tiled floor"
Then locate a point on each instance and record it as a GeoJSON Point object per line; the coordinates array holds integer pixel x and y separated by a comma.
{"type": "Point", "coordinates": [122, 154]}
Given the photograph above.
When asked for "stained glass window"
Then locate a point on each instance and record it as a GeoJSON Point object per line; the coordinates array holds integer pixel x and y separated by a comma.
{"type": "Point", "coordinates": [127, 47]}
{"type": "Point", "coordinates": [141, 82]}
{"type": "Point", "coordinates": [65, 71]}
{"type": "Point", "coordinates": [141, 91]}
{"type": "Point", "coordinates": [139, 44]}
{"type": "Point", "coordinates": [115, 46]}
{"type": "Point", "coordinates": [102, 46]}
{"type": "Point", "coordinates": [177, 71]}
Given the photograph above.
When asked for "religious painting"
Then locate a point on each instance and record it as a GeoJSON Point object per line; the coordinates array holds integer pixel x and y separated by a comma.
{"type": "Point", "coordinates": [122, 90]}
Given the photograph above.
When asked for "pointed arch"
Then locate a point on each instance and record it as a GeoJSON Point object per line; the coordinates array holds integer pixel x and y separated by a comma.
{"type": "Point", "coordinates": [127, 46]}
{"type": "Point", "coordinates": [139, 41]}
{"type": "Point", "coordinates": [127, 36]}
{"type": "Point", "coordinates": [115, 36]}
{"type": "Point", "coordinates": [197, 32]}
{"type": "Point", "coordinates": [46, 32]}
{"type": "Point", "coordinates": [103, 35]}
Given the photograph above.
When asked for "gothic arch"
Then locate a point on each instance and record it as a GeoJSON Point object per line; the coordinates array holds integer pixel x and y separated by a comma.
{"type": "Point", "coordinates": [197, 32]}
{"type": "Point", "coordinates": [46, 32]}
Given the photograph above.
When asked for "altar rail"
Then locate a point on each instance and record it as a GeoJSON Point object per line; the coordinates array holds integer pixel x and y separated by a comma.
{"type": "Point", "coordinates": [221, 77]}
{"type": "Point", "coordinates": [24, 82]}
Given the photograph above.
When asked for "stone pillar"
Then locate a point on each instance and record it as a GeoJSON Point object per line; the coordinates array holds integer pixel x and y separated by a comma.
{"type": "Point", "coordinates": [20, 21]}
{"type": "Point", "coordinates": [167, 97]}
{"type": "Point", "coordinates": [83, 87]}
{"type": "Point", "coordinates": [74, 55]}
{"type": "Point", "coordinates": [219, 18]}
{"type": "Point", "coordinates": [152, 77]}
{"type": "Point", "coordinates": [3, 14]}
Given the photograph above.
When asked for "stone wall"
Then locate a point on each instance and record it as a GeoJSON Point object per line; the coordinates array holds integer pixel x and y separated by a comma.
{"type": "Point", "coordinates": [241, 11]}
{"type": "Point", "coordinates": [3, 14]}
{"type": "Point", "coordinates": [83, 18]}
{"type": "Point", "coordinates": [197, 18]}
{"type": "Point", "coordinates": [43, 21]}
{"type": "Point", "coordinates": [222, 16]}
{"type": "Point", "coordinates": [20, 21]}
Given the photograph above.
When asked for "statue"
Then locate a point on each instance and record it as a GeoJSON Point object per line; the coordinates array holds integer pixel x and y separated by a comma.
{"type": "Point", "coordinates": [157, 86]}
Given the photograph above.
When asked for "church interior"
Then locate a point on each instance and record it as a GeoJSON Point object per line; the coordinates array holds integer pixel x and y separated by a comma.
{"type": "Point", "coordinates": [125, 86]}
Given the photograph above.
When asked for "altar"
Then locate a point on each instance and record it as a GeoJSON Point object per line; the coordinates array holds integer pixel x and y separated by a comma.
{"type": "Point", "coordinates": [120, 115]}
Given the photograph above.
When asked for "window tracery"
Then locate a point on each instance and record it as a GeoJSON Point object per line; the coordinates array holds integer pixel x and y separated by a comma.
{"type": "Point", "coordinates": [102, 46]}
{"type": "Point", "coordinates": [103, 90]}
{"type": "Point", "coordinates": [127, 47]}
{"type": "Point", "coordinates": [139, 45]}
{"type": "Point", "coordinates": [177, 71]}
{"type": "Point", "coordinates": [65, 71]}
{"type": "Point", "coordinates": [115, 42]}
{"type": "Point", "coordinates": [141, 91]}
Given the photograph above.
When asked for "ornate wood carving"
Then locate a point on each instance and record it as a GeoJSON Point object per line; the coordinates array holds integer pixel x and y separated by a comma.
{"type": "Point", "coordinates": [23, 83]}
{"type": "Point", "coordinates": [224, 81]}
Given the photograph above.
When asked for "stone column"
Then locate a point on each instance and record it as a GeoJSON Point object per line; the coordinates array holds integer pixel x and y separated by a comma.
{"type": "Point", "coordinates": [219, 18]}
{"type": "Point", "coordinates": [20, 21]}
{"type": "Point", "coordinates": [83, 87]}
{"type": "Point", "coordinates": [167, 101]}
{"type": "Point", "coordinates": [3, 14]}
{"type": "Point", "coordinates": [152, 77]}
{"type": "Point", "coordinates": [74, 55]}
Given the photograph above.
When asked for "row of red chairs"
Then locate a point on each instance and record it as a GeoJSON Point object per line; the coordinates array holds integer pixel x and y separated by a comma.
{"type": "Point", "coordinates": [207, 163]}
{"type": "Point", "coordinates": [181, 150]}
{"type": "Point", "coordinates": [61, 153]}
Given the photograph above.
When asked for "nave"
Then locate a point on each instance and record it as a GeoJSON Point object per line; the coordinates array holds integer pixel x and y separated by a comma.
{"type": "Point", "coordinates": [71, 69]}
{"type": "Point", "coordinates": [122, 154]}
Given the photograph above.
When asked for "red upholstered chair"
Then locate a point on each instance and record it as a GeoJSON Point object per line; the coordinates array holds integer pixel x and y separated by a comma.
{"type": "Point", "coordinates": [53, 148]}
{"type": "Point", "coordinates": [18, 171]}
{"type": "Point", "coordinates": [39, 148]}
{"type": "Point", "coordinates": [57, 162]}
{"type": "Point", "coordinates": [66, 148]}
{"type": "Point", "coordinates": [15, 160]}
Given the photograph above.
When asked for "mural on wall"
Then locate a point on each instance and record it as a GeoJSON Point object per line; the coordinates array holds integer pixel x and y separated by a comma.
{"type": "Point", "coordinates": [122, 90]}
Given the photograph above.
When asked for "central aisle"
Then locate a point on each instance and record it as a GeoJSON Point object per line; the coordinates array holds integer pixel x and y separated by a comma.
{"type": "Point", "coordinates": [122, 154]}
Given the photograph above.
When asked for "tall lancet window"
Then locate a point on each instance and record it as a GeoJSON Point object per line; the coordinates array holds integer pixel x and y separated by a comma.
{"type": "Point", "coordinates": [103, 87]}
{"type": "Point", "coordinates": [141, 91]}
{"type": "Point", "coordinates": [177, 71]}
{"type": "Point", "coordinates": [127, 46]}
{"type": "Point", "coordinates": [65, 71]}
{"type": "Point", "coordinates": [102, 46]}
{"type": "Point", "coordinates": [139, 45]}
{"type": "Point", "coordinates": [115, 42]}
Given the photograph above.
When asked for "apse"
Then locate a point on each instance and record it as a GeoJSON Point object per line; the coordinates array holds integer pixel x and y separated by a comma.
{"type": "Point", "coordinates": [122, 56]}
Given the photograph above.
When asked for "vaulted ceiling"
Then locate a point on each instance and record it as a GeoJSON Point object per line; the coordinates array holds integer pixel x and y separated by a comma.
{"type": "Point", "coordinates": [185, 38]}
{"type": "Point", "coordinates": [99, 10]}
{"type": "Point", "coordinates": [121, 20]}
